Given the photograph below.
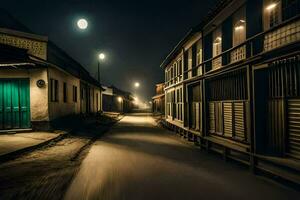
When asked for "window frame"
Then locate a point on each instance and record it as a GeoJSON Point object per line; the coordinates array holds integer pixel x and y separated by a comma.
{"type": "Point", "coordinates": [54, 90]}
{"type": "Point", "coordinates": [65, 92]}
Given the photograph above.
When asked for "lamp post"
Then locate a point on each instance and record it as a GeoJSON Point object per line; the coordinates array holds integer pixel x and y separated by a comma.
{"type": "Point", "coordinates": [101, 58]}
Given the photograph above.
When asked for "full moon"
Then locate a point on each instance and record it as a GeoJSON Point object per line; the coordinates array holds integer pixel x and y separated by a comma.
{"type": "Point", "coordinates": [82, 24]}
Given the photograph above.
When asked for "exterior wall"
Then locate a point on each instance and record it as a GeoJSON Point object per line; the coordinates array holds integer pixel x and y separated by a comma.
{"type": "Point", "coordinates": [111, 103]}
{"type": "Point", "coordinates": [158, 101]}
{"type": "Point", "coordinates": [158, 104]}
{"type": "Point", "coordinates": [250, 95]}
{"type": "Point", "coordinates": [61, 108]}
{"type": "Point", "coordinates": [95, 101]}
{"type": "Point", "coordinates": [38, 96]}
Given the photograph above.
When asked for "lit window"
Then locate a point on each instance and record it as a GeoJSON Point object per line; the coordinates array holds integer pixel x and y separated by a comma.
{"type": "Point", "coordinates": [239, 33]}
{"type": "Point", "coordinates": [217, 42]}
{"type": "Point", "coordinates": [272, 13]}
{"type": "Point", "coordinates": [199, 52]}
{"type": "Point", "coordinates": [217, 46]}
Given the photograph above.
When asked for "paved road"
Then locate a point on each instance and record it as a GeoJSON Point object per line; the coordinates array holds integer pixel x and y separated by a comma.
{"type": "Point", "coordinates": [138, 161]}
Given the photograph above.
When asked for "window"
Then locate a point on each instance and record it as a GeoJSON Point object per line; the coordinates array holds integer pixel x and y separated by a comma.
{"type": "Point", "coordinates": [217, 42]}
{"type": "Point", "coordinates": [190, 61]}
{"type": "Point", "coordinates": [239, 35]}
{"type": "Point", "coordinates": [65, 92]}
{"type": "Point", "coordinates": [199, 53]}
{"type": "Point", "coordinates": [180, 67]}
{"type": "Point", "coordinates": [54, 90]}
{"type": "Point", "coordinates": [272, 13]}
{"type": "Point", "coordinates": [74, 93]}
{"type": "Point", "coordinates": [290, 8]}
{"type": "Point", "coordinates": [169, 101]}
{"type": "Point", "coordinates": [172, 74]}
{"type": "Point", "coordinates": [82, 93]}
{"type": "Point", "coordinates": [190, 58]}
{"type": "Point", "coordinates": [178, 104]}
{"type": "Point", "coordinates": [217, 49]}
{"type": "Point", "coordinates": [199, 57]}
{"type": "Point", "coordinates": [239, 27]}
{"type": "Point", "coordinates": [97, 101]}
{"type": "Point", "coordinates": [166, 76]}
{"type": "Point", "coordinates": [175, 71]}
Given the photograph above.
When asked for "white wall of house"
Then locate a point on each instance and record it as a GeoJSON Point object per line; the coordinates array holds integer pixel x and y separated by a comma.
{"type": "Point", "coordinates": [38, 96]}
{"type": "Point", "coordinates": [96, 98]}
{"type": "Point", "coordinates": [60, 108]}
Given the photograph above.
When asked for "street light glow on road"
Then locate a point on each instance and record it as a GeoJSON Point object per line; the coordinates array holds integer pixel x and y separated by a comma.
{"type": "Point", "coordinates": [82, 24]}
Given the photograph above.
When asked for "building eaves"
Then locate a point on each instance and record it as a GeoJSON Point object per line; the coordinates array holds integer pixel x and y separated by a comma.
{"type": "Point", "coordinates": [210, 16]}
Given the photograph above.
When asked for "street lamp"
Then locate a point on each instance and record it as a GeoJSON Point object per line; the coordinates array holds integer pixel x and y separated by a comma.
{"type": "Point", "coordinates": [136, 84]}
{"type": "Point", "coordinates": [82, 24]}
{"type": "Point", "coordinates": [101, 57]}
{"type": "Point", "coordinates": [120, 99]}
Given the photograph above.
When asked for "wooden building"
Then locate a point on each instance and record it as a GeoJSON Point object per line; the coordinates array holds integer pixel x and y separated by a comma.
{"type": "Point", "coordinates": [233, 84]}
{"type": "Point", "coordinates": [158, 101]}
{"type": "Point", "coordinates": [39, 82]}
{"type": "Point", "coordinates": [116, 100]}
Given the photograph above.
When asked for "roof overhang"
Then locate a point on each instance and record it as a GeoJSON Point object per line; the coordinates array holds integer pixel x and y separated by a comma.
{"type": "Point", "coordinates": [158, 96]}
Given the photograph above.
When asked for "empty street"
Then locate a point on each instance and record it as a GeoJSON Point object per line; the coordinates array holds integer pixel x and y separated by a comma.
{"type": "Point", "coordinates": [134, 160]}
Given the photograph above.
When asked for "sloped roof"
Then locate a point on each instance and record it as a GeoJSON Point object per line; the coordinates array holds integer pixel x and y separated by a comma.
{"type": "Point", "coordinates": [211, 14]}
{"type": "Point", "coordinates": [55, 55]}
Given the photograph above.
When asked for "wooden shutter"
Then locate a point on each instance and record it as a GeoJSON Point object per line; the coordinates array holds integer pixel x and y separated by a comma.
{"type": "Point", "coordinates": [212, 122]}
{"type": "Point", "coordinates": [294, 127]}
{"type": "Point", "coordinates": [228, 119]}
{"type": "Point", "coordinates": [239, 120]}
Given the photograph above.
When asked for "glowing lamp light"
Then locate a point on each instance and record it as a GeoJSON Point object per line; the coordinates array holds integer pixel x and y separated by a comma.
{"type": "Point", "coordinates": [271, 6]}
{"type": "Point", "coordinates": [101, 56]}
{"type": "Point", "coordinates": [120, 99]}
{"type": "Point", "coordinates": [137, 84]}
{"type": "Point", "coordinates": [241, 27]}
{"type": "Point", "coordinates": [82, 24]}
{"type": "Point", "coordinates": [218, 40]}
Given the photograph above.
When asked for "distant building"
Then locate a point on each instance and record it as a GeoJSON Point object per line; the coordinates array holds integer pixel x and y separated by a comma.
{"type": "Point", "coordinates": [158, 101]}
{"type": "Point", "coordinates": [39, 82]}
{"type": "Point", "coordinates": [233, 84]}
{"type": "Point", "coordinates": [116, 100]}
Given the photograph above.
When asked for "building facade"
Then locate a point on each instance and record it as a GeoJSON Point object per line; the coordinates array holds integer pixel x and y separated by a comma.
{"type": "Point", "coordinates": [232, 84]}
{"type": "Point", "coordinates": [40, 83]}
{"type": "Point", "coordinates": [116, 100]}
{"type": "Point", "coordinates": [158, 101]}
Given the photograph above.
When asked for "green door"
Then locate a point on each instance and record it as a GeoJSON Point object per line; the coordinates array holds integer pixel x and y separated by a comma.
{"type": "Point", "coordinates": [14, 104]}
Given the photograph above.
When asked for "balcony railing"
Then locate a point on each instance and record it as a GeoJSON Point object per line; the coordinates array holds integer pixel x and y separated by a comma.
{"type": "Point", "coordinates": [285, 33]}
{"type": "Point", "coordinates": [282, 36]}
{"type": "Point", "coordinates": [174, 80]}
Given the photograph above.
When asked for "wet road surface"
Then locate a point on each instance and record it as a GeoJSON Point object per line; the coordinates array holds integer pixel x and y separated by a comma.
{"type": "Point", "coordinates": [138, 161]}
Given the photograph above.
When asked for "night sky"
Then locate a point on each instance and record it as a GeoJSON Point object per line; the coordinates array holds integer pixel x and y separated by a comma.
{"type": "Point", "coordinates": [135, 35]}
